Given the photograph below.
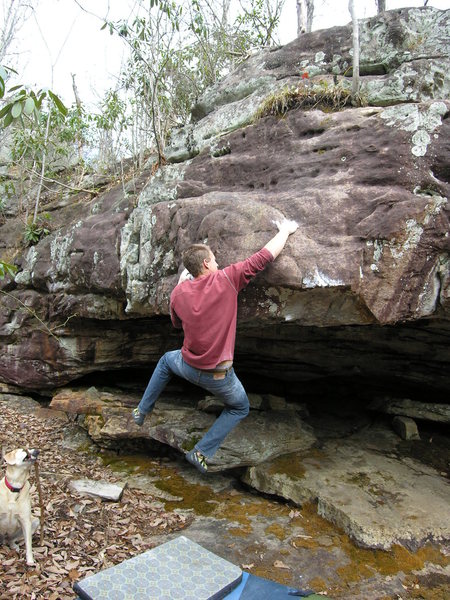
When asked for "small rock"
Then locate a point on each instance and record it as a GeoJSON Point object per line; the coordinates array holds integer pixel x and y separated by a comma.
{"type": "Point", "coordinates": [324, 540]}
{"type": "Point", "coordinates": [255, 400]}
{"type": "Point", "coordinates": [279, 564]}
{"type": "Point", "coordinates": [102, 489]}
{"type": "Point", "coordinates": [406, 428]}
{"type": "Point", "coordinates": [23, 404]}
{"type": "Point", "coordinates": [272, 402]}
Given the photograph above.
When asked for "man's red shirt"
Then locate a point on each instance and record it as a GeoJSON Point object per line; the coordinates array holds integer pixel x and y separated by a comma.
{"type": "Point", "coordinates": [206, 309]}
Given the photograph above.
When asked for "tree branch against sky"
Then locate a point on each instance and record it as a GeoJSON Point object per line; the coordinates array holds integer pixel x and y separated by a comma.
{"type": "Point", "coordinates": [13, 15]}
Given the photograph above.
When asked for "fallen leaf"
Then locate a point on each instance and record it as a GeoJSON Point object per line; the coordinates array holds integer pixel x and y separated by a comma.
{"type": "Point", "coordinates": [73, 575]}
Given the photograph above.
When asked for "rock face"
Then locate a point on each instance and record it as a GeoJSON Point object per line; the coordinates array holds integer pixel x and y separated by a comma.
{"type": "Point", "coordinates": [177, 421]}
{"type": "Point", "coordinates": [361, 289]}
{"type": "Point", "coordinates": [379, 501]}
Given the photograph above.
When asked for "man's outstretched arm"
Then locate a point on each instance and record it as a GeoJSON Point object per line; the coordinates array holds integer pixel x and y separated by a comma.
{"type": "Point", "coordinates": [277, 243]}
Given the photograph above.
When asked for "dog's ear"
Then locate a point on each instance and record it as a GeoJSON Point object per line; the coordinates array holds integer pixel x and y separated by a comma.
{"type": "Point", "coordinates": [10, 458]}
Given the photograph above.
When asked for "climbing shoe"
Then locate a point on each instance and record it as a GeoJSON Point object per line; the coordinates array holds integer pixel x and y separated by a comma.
{"type": "Point", "coordinates": [197, 459]}
{"type": "Point", "coordinates": [138, 417]}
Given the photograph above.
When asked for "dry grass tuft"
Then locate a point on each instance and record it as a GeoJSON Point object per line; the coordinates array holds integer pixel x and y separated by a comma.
{"type": "Point", "coordinates": [329, 98]}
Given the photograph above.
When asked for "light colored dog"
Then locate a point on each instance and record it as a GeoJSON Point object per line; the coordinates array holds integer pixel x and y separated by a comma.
{"type": "Point", "coordinates": [16, 521]}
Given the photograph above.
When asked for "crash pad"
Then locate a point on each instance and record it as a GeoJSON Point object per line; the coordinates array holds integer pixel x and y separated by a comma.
{"type": "Point", "coordinates": [177, 570]}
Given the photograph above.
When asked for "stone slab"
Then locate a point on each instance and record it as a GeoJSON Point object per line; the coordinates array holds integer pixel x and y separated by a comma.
{"type": "Point", "coordinates": [262, 435]}
{"type": "Point", "coordinates": [378, 500]}
{"type": "Point", "coordinates": [103, 489]}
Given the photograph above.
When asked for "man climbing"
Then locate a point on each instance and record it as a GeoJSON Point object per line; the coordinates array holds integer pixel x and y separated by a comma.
{"type": "Point", "coordinates": [204, 304]}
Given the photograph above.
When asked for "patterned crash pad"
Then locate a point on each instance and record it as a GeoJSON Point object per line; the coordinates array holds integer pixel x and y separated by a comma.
{"type": "Point", "coordinates": [177, 570]}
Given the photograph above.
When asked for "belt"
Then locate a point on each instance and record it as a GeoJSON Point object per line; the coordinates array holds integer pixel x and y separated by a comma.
{"type": "Point", "coordinates": [218, 371]}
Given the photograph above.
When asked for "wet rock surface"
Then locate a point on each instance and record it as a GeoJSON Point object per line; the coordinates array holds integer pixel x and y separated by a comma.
{"type": "Point", "coordinates": [292, 543]}
{"type": "Point", "coordinates": [261, 533]}
{"type": "Point", "coordinates": [357, 470]}
{"type": "Point", "coordinates": [379, 500]}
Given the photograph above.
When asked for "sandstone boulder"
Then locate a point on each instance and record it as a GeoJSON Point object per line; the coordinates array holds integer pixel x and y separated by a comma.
{"type": "Point", "coordinates": [360, 290]}
{"type": "Point", "coordinates": [260, 437]}
{"type": "Point", "coordinates": [426, 411]}
{"type": "Point", "coordinates": [177, 421]}
{"type": "Point", "coordinates": [379, 501]}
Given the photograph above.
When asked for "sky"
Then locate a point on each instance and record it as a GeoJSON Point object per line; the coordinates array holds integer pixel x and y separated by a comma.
{"type": "Point", "coordinates": [61, 39]}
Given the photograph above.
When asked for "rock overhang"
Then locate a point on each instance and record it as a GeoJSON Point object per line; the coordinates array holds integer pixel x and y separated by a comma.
{"type": "Point", "coordinates": [367, 185]}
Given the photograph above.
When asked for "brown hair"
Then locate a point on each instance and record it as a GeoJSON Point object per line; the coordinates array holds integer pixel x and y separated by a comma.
{"type": "Point", "coordinates": [194, 256]}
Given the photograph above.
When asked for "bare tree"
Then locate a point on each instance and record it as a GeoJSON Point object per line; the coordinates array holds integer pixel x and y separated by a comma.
{"type": "Point", "coordinates": [13, 14]}
{"type": "Point", "coordinates": [355, 76]}
{"type": "Point", "coordinates": [305, 13]}
{"type": "Point", "coordinates": [263, 16]}
{"type": "Point", "coordinates": [381, 6]}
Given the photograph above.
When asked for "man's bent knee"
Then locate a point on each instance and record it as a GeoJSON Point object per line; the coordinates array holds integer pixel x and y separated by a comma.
{"type": "Point", "coordinates": [243, 408]}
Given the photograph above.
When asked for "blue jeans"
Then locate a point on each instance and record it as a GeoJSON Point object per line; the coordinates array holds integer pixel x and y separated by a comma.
{"type": "Point", "coordinates": [229, 389]}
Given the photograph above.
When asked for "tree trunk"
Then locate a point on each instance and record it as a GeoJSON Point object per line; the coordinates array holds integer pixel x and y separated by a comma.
{"type": "Point", "coordinates": [305, 13]}
{"type": "Point", "coordinates": [44, 160]}
{"type": "Point", "coordinates": [381, 6]}
{"type": "Point", "coordinates": [75, 92]}
{"type": "Point", "coordinates": [355, 76]}
{"type": "Point", "coordinates": [78, 135]}
{"type": "Point", "coordinates": [225, 13]}
{"type": "Point", "coordinates": [310, 14]}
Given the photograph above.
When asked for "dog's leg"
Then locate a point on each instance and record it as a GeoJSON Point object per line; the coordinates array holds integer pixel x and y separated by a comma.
{"type": "Point", "coordinates": [27, 530]}
{"type": "Point", "coordinates": [13, 542]}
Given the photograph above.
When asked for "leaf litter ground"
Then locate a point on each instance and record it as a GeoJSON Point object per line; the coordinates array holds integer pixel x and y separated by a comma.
{"type": "Point", "coordinates": [82, 534]}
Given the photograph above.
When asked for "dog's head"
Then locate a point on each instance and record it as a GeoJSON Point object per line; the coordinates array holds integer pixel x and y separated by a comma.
{"type": "Point", "coordinates": [21, 458]}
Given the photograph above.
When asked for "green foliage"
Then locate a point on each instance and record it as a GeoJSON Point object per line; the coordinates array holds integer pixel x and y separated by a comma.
{"type": "Point", "coordinates": [259, 21]}
{"type": "Point", "coordinates": [7, 269]}
{"type": "Point", "coordinates": [3, 76]}
{"type": "Point", "coordinates": [32, 143]}
{"type": "Point", "coordinates": [65, 131]}
{"type": "Point", "coordinates": [178, 49]}
{"type": "Point", "coordinates": [30, 115]}
{"type": "Point", "coordinates": [112, 112]}
{"type": "Point", "coordinates": [35, 231]}
{"type": "Point", "coordinates": [8, 190]}
{"type": "Point", "coordinates": [25, 103]}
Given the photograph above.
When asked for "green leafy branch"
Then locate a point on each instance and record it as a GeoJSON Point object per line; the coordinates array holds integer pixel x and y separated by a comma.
{"type": "Point", "coordinates": [25, 102]}
{"type": "Point", "coordinates": [7, 269]}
